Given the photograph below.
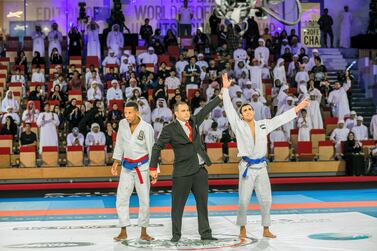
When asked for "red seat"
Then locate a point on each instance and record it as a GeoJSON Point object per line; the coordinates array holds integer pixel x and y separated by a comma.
{"type": "Point", "coordinates": [268, 91]}
{"type": "Point", "coordinates": [53, 103]}
{"type": "Point", "coordinates": [326, 150]}
{"type": "Point", "coordinates": [294, 132]}
{"type": "Point", "coordinates": [190, 93]}
{"type": "Point", "coordinates": [317, 131]}
{"type": "Point", "coordinates": [22, 67]}
{"type": "Point", "coordinates": [50, 149]}
{"type": "Point", "coordinates": [281, 151]}
{"type": "Point", "coordinates": [304, 150]}
{"type": "Point", "coordinates": [26, 149]}
{"type": "Point", "coordinates": [304, 147]}
{"type": "Point", "coordinates": [34, 84]}
{"type": "Point", "coordinates": [15, 84]}
{"type": "Point", "coordinates": [164, 58]}
{"type": "Point", "coordinates": [108, 84]}
{"type": "Point", "coordinates": [215, 152]}
{"type": "Point", "coordinates": [367, 142]}
{"type": "Point", "coordinates": [331, 120]}
{"type": "Point", "coordinates": [75, 148]}
{"type": "Point", "coordinates": [173, 51]}
{"type": "Point", "coordinates": [75, 92]}
{"type": "Point", "coordinates": [330, 124]}
{"type": "Point", "coordinates": [232, 144]}
{"type": "Point", "coordinates": [97, 148]}
{"type": "Point", "coordinates": [281, 144]}
{"type": "Point", "coordinates": [214, 145]}
{"type": "Point", "coordinates": [120, 104]}
{"type": "Point", "coordinates": [92, 60]}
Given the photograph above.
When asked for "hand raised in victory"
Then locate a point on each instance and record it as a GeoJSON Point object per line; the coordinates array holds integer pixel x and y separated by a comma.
{"type": "Point", "coordinates": [226, 81]}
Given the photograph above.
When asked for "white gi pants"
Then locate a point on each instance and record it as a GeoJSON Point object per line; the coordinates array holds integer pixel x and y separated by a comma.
{"type": "Point", "coordinates": [257, 178]}
{"type": "Point", "coordinates": [127, 181]}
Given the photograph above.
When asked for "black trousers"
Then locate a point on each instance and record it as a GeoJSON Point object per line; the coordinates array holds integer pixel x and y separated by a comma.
{"type": "Point", "coordinates": [198, 184]}
{"type": "Point", "coordinates": [354, 164]}
{"type": "Point", "coordinates": [324, 35]}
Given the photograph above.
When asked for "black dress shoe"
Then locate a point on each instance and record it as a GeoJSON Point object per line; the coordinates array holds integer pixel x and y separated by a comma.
{"type": "Point", "coordinates": [210, 238]}
{"type": "Point", "coordinates": [175, 239]}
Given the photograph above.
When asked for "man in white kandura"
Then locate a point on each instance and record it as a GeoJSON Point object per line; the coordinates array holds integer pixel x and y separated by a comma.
{"type": "Point", "coordinates": [251, 138]}
{"type": "Point", "coordinates": [133, 149]}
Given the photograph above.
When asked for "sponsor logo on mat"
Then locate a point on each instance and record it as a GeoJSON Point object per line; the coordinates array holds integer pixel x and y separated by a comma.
{"type": "Point", "coordinates": [224, 241]}
{"type": "Point", "coordinates": [78, 227]}
{"type": "Point", "coordinates": [339, 236]}
{"type": "Point", "coordinates": [39, 245]}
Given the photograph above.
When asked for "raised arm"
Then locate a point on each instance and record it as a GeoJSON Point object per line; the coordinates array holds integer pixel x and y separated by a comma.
{"type": "Point", "coordinates": [207, 110]}
{"type": "Point", "coordinates": [285, 117]}
{"type": "Point", "coordinates": [231, 113]}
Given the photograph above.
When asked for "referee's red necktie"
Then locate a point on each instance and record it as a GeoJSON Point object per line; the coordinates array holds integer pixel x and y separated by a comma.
{"type": "Point", "coordinates": [190, 129]}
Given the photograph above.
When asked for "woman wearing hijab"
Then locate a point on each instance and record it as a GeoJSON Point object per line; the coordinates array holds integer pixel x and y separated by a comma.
{"type": "Point", "coordinates": [55, 57]}
{"type": "Point", "coordinates": [160, 91]}
{"type": "Point", "coordinates": [37, 95]}
{"type": "Point", "coordinates": [37, 59]}
{"type": "Point", "coordinates": [74, 42]}
{"type": "Point", "coordinates": [21, 60]}
{"type": "Point", "coordinates": [9, 128]}
{"type": "Point", "coordinates": [73, 115]}
{"type": "Point", "coordinates": [352, 152]}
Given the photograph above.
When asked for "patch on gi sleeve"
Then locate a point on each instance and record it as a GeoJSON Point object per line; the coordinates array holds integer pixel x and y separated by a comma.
{"type": "Point", "coordinates": [263, 126]}
{"type": "Point", "coordinates": [141, 135]}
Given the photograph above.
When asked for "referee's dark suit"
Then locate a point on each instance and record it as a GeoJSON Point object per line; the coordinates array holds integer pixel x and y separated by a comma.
{"type": "Point", "coordinates": [188, 175]}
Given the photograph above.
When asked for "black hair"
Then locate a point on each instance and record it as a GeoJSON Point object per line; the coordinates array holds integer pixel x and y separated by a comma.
{"type": "Point", "coordinates": [214, 125]}
{"type": "Point", "coordinates": [243, 105]}
{"type": "Point", "coordinates": [132, 104]}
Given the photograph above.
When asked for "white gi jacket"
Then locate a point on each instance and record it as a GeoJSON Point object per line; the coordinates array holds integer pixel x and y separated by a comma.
{"type": "Point", "coordinates": [245, 143]}
{"type": "Point", "coordinates": [134, 146]}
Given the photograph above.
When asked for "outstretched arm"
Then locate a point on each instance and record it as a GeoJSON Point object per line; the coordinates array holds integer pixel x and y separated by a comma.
{"type": "Point", "coordinates": [206, 110]}
{"type": "Point", "coordinates": [287, 116]}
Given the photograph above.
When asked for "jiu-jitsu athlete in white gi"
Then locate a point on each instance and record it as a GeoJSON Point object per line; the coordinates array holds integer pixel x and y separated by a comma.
{"type": "Point", "coordinates": [132, 151]}
{"type": "Point", "coordinates": [251, 138]}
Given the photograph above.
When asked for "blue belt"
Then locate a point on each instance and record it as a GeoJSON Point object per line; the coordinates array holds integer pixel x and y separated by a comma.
{"type": "Point", "coordinates": [252, 162]}
{"type": "Point", "coordinates": [131, 164]}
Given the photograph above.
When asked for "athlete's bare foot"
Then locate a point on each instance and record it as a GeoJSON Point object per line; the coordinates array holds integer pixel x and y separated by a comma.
{"type": "Point", "coordinates": [122, 235]}
{"type": "Point", "coordinates": [267, 233]}
{"type": "Point", "coordinates": [242, 233]}
{"type": "Point", "coordinates": [144, 236]}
